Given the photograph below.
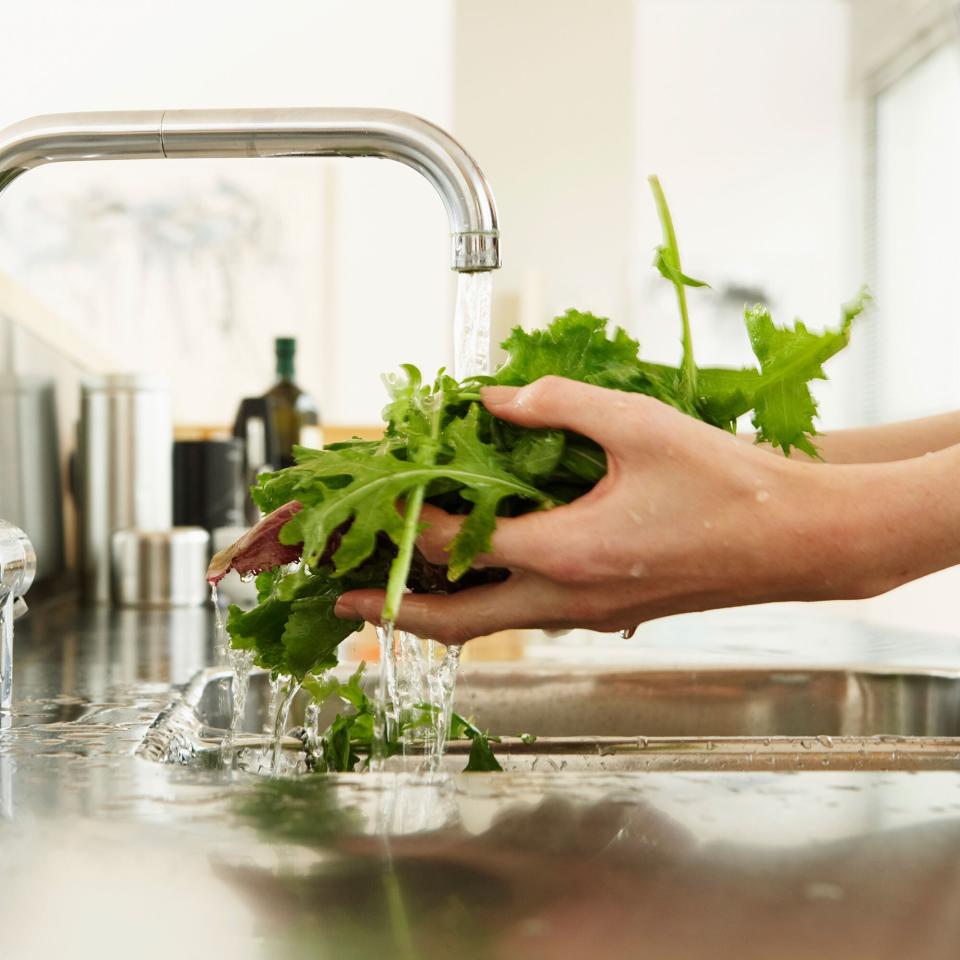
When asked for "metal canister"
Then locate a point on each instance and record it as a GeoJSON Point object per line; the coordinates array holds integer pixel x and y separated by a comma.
{"type": "Point", "coordinates": [125, 468]}
{"type": "Point", "coordinates": [160, 568]}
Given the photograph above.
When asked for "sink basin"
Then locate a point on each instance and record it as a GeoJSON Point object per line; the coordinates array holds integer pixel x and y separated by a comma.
{"type": "Point", "coordinates": [637, 719]}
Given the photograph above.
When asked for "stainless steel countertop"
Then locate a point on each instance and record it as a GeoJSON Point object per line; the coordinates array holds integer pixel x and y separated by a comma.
{"type": "Point", "coordinates": [107, 855]}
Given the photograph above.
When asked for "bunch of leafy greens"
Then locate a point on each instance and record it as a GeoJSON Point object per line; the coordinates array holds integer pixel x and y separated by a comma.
{"type": "Point", "coordinates": [361, 500]}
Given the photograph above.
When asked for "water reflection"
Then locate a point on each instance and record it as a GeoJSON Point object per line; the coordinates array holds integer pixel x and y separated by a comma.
{"type": "Point", "coordinates": [573, 877]}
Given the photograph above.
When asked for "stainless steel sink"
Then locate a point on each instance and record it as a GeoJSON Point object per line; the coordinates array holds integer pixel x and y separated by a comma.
{"type": "Point", "coordinates": [635, 720]}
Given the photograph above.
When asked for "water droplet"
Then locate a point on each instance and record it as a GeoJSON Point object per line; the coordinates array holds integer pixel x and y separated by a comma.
{"type": "Point", "coordinates": [762, 496]}
{"type": "Point", "coordinates": [628, 632]}
{"type": "Point", "coordinates": [825, 741]}
{"type": "Point", "coordinates": [707, 524]}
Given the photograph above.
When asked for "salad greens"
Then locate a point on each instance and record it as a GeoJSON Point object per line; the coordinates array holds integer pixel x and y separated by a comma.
{"type": "Point", "coordinates": [361, 500]}
{"type": "Point", "coordinates": [351, 736]}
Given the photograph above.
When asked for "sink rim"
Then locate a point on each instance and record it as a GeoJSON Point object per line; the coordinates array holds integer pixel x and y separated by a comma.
{"type": "Point", "coordinates": [178, 728]}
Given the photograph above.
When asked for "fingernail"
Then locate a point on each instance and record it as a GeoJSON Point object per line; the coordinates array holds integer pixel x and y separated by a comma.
{"type": "Point", "coordinates": [498, 396]}
{"type": "Point", "coordinates": [345, 610]}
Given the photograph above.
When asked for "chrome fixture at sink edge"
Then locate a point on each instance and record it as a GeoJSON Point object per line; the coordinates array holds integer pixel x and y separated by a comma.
{"type": "Point", "coordinates": [295, 132]}
{"type": "Point", "coordinates": [18, 564]}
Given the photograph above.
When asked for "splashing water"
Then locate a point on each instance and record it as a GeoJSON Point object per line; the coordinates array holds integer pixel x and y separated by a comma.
{"type": "Point", "coordinates": [385, 719]}
{"type": "Point", "coordinates": [311, 730]}
{"type": "Point", "coordinates": [220, 640]}
{"type": "Point", "coordinates": [413, 688]}
{"type": "Point", "coordinates": [413, 678]}
{"type": "Point", "coordinates": [409, 678]}
{"type": "Point", "coordinates": [410, 674]}
{"type": "Point", "coordinates": [288, 690]}
{"type": "Point", "coordinates": [270, 717]}
{"type": "Point", "coordinates": [242, 663]}
{"type": "Point", "coordinates": [443, 683]}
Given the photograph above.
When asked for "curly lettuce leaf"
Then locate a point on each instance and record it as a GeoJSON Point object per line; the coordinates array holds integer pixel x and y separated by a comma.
{"type": "Point", "coordinates": [575, 346]}
{"type": "Point", "coordinates": [373, 484]}
{"type": "Point", "coordinates": [783, 406]}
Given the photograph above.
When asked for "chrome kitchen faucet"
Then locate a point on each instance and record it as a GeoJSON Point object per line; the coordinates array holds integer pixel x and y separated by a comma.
{"type": "Point", "coordinates": [18, 564]}
{"type": "Point", "coordinates": [296, 132]}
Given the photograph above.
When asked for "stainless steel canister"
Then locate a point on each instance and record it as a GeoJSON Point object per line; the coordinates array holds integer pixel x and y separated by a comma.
{"type": "Point", "coordinates": [160, 568]}
{"type": "Point", "coordinates": [125, 468]}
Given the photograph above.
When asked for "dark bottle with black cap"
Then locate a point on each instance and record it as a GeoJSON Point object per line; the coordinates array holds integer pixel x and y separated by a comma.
{"type": "Point", "coordinates": [294, 419]}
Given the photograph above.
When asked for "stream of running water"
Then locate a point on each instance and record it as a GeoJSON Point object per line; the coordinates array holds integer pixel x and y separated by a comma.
{"type": "Point", "coordinates": [414, 702]}
{"type": "Point", "coordinates": [417, 678]}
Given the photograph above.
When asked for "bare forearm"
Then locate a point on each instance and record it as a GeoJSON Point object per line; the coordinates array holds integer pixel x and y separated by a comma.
{"type": "Point", "coordinates": [894, 522]}
{"type": "Point", "coordinates": [891, 441]}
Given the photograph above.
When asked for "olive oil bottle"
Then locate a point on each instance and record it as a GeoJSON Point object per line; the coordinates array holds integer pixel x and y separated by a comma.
{"type": "Point", "coordinates": [294, 418]}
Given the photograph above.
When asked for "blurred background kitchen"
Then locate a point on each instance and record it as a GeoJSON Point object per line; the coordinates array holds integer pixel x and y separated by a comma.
{"type": "Point", "coordinates": [806, 146]}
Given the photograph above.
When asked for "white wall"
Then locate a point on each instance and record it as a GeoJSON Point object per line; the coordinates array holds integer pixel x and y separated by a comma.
{"type": "Point", "coordinates": [741, 109]}
{"type": "Point", "coordinates": [543, 93]}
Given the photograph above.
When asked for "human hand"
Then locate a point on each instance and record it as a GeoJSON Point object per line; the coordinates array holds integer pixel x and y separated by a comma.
{"type": "Point", "coordinates": [685, 519]}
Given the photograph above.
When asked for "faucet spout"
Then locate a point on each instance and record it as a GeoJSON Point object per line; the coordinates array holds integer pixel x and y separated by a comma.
{"type": "Point", "coordinates": [300, 132]}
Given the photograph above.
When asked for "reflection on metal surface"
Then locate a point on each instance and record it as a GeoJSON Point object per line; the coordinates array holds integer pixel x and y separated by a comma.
{"type": "Point", "coordinates": [749, 719]}
{"type": "Point", "coordinates": [579, 872]}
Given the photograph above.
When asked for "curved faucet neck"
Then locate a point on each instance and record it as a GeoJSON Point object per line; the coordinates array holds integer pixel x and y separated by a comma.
{"type": "Point", "coordinates": [295, 132]}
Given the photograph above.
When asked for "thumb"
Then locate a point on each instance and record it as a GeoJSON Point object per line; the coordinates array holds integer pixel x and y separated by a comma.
{"type": "Point", "coordinates": [594, 412]}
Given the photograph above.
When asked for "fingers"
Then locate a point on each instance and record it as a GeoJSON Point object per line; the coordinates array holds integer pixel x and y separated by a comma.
{"type": "Point", "coordinates": [594, 412]}
{"type": "Point", "coordinates": [455, 618]}
{"type": "Point", "coordinates": [518, 542]}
